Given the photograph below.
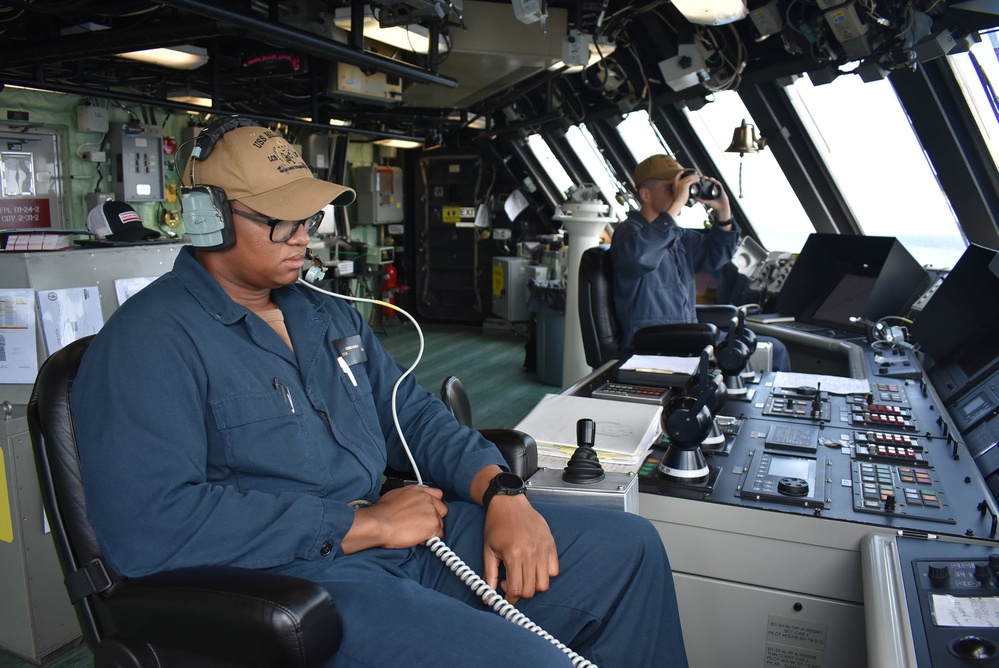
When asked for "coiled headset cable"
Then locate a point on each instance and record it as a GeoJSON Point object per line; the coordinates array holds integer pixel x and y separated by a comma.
{"type": "Point", "coordinates": [440, 549]}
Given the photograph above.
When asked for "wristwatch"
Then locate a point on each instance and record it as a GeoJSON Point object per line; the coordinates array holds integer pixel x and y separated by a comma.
{"type": "Point", "coordinates": [506, 484]}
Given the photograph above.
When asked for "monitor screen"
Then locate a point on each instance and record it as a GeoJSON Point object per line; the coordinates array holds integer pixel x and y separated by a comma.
{"type": "Point", "coordinates": [957, 329]}
{"type": "Point", "coordinates": [836, 277]}
{"type": "Point", "coordinates": [847, 299]}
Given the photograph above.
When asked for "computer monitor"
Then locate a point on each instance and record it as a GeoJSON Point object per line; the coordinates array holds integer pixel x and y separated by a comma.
{"type": "Point", "coordinates": [958, 329]}
{"type": "Point", "coordinates": [837, 277]}
{"type": "Point", "coordinates": [847, 298]}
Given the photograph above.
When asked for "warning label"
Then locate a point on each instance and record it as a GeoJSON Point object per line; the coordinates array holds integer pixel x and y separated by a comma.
{"type": "Point", "coordinates": [793, 643]}
{"type": "Point", "coordinates": [781, 656]}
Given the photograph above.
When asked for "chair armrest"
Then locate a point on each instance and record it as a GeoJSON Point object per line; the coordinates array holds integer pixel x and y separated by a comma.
{"type": "Point", "coordinates": [679, 340]}
{"type": "Point", "coordinates": [520, 450]}
{"type": "Point", "coordinates": [719, 315]}
{"type": "Point", "coordinates": [239, 614]}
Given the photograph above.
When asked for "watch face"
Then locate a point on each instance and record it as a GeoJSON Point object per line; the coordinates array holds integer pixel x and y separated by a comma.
{"type": "Point", "coordinates": [509, 483]}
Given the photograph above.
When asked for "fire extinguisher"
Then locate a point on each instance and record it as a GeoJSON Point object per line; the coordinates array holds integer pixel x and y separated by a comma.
{"type": "Point", "coordinates": [390, 285]}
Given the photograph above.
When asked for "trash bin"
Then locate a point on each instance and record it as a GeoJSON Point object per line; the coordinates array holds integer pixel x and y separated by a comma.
{"type": "Point", "coordinates": [548, 302]}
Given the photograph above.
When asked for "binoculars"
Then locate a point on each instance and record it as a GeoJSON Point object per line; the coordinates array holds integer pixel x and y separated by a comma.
{"type": "Point", "coordinates": [702, 189]}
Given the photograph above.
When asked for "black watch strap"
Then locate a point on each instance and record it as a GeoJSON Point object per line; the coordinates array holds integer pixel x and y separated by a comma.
{"type": "Point", "coordinates": [504, 484]}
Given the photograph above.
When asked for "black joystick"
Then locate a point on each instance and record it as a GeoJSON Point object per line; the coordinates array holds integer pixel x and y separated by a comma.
{"type": "Point", "coordinates": [713, 386]}
{"type": "Point", "coordinates": [584, 465]}
{"type": "Point", "coordinates": [687, 420]}
{"type": "Point", "coordinates": [733, 354]}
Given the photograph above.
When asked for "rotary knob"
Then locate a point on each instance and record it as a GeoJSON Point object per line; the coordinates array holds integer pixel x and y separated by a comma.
{"type": "Point", "coordinates": [939, 573]}
{"type": "Point", "coordinates": [792, 486]}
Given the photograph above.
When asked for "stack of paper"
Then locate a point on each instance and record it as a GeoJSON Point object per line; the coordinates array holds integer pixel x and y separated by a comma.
{"type": "Point", "coordinates": [625, 431]}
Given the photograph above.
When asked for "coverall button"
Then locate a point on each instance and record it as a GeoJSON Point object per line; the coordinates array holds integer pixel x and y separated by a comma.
{"type": "Point", "coordinates": [326, 549]}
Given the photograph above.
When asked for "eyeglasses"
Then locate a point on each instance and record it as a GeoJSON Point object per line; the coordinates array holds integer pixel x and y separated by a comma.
{"type": "Point", "coordinates": [282, 230]}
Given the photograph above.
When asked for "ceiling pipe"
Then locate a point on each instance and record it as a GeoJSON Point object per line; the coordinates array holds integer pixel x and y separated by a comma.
{"type": "Point", "coordinates": [83, 91]}
{"type": "Point", "coordinates": [280, 35]}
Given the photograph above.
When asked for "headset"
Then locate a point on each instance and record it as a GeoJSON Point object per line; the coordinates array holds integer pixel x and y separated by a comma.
{"type": "Point", "coordinates": [888, 333]}
{"type": "Point", "coordinates": [206, 209]}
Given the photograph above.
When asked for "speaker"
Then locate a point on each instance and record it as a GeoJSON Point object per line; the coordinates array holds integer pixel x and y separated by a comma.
{"type": "Point", "coordinates": [206, 210]}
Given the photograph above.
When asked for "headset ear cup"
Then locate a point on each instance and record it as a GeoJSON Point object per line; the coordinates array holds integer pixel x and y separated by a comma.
{"type": "Point", "coordinates": [207, 217]}
{"type": "Point", "coordinates": [871, 330]}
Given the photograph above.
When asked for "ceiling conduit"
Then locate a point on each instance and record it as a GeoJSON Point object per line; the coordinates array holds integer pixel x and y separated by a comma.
{"type": "Point", "coordinates": [277, 34]}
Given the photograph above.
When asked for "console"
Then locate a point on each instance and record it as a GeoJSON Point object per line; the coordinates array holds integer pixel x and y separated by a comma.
{"type": "Point", "coordinates": [931, 602]}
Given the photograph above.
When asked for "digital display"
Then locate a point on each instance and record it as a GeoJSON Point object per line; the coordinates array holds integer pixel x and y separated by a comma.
{"type": "Point", "coordinates": [976, 406]}
{"type": "Point", "coordinates": [792, 467]}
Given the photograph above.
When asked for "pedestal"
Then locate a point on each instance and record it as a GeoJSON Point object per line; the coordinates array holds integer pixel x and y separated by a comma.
{"type": "Point", "coordinates": [583, 233]}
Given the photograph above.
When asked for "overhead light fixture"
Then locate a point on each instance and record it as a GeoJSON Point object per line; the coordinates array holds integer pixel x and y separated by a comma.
{"type": "Point", "coordinates": [181, 57]}
{"type": "Point", "coordinates": [190, 96]}
{"type": "Point", "coordinates": [712, 12]}
{"type": "Point", "coordinates": [396, 142]}
{"type": "Point", "coordinates": [412, 37]}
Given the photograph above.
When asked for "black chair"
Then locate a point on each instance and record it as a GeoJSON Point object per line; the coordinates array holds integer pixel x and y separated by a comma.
{"type": "Point", "coordinates": [519, 449]}
{"type": "Point", "coordinates": [194, 617]}
{"type": "Point", "coordinates": [601, 333]}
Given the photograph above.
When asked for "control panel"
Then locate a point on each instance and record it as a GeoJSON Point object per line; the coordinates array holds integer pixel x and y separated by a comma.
{"type": "Point", "coordinates": [885, 456]}
{"type": "Point", "coordinates": [950, 594]}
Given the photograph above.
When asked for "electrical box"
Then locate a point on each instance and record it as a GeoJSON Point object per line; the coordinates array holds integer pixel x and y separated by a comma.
{"type": "Point", "coordinates": [767, 19]}
{"type": "Point", "coordinates": [96, 199]}
{"type": "Point", "coordinates": [848, 26]}
{"type": "Point", "coordinates": [381, 255]}
{"type": "Point", "coordinates": [349, 81]}
{"type": "Point", "coordinates": [510, 276]}
{"type": "Point", "coordinates": [379, 195]}
{"type": "Point", "coordinates": [91, 118]}
{"type": "Point", "coordinates": [137, 162]}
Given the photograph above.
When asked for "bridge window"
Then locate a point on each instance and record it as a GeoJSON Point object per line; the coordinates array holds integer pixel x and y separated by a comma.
{"type": "Point", "coordinates": [864, 135]}
{"type": "Point", "coordinates": [556, 172]}
{"type": "Point", "coordinates": [978, 73]}
{"type": "Point", "coordinates": [585, 147]}
{"type": "Point", "coordinates": [766, 198]}
{"type": "Point", "coordinates": [640, 136]}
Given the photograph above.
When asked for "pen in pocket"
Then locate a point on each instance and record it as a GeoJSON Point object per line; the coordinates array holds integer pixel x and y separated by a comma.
{"type": "Point", "coordinates": [287, 394]}
{"type": "Point", "coordinates": [346, 370]}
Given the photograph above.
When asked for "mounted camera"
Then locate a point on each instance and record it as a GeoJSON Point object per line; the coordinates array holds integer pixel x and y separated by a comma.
{"type": "Point", "coordinates": [702, 189]}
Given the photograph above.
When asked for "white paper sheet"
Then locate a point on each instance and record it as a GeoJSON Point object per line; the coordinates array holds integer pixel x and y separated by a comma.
{"type": "Point", "coordinates": [965, 610]}
{"type": "Point", "coordinates": [831, 384]}
{"type": "Point", "coordinates": [515, 203]}
{"type": "Point", "coordinates": [664, 364]}
{"type": "Point", "coordinates": [126, 287]}
{"type": "Point", "coordinates": [624, 431]}
{"type": "Point", "coordinates": [69, 314]}
{"type": "Point", "coordinates": [18, 352]}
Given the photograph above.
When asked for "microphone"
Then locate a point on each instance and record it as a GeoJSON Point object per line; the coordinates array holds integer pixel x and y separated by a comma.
{"type": "Point", "coordinates": [317, 271]}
